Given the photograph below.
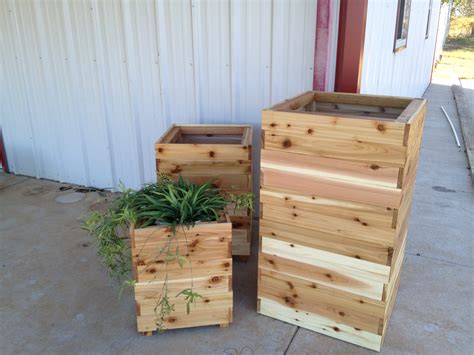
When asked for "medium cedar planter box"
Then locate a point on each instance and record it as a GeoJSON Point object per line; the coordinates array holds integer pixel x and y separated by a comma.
{"type": "Point", "coordinates": [209, 250]}
{"type": "Point", "coordinates": [202, 152]}
{"type": "Point", "coordinates": [337, 180]}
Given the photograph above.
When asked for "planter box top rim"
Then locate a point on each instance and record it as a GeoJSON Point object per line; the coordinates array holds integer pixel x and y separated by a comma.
{"type": "Point", "coordinates": [208, 134]}
{"type": "Point", "coordinates": [355, 106]}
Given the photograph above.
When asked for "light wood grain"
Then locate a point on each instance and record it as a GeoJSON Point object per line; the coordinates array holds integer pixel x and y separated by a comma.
{"type": "Point", "coordinates": [329, 242]}
{"type": "Point", "coordinates": [314, 126]}
{"type": "Point", "coordinates": [335, 169]}
{"type": "Point", "coordinates": [351, 229]}
{"type": "Point", "coordinates": [351, 150]}
{"type": "Point", "coordinates": [320, 324]}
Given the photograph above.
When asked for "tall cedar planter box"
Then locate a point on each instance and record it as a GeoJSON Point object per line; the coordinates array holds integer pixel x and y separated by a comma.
{"type": "Point", "coordinates": [221, 152]}
{"type": "Point", "coordinates": [209, 250]}
{"type": "Point", "coordinates": [338, 173]}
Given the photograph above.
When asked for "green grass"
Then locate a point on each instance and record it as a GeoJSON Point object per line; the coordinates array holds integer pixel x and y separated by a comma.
{"type": "Point", "coordinates": [457, 58]}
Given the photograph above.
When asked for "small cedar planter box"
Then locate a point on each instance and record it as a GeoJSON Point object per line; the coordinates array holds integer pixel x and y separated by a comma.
{"type": "Point", "coordinates": [202, 152]}
{"type": "Point", "coordinates": [209, 250]}
{"type": "Point", "coordinates": [338, 174]}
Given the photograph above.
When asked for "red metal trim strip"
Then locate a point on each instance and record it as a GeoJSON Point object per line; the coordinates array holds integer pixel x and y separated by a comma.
{"type": "Point", "coordinates": [3, 154]}
{"type": "Point", "coordinates": [350, 48]}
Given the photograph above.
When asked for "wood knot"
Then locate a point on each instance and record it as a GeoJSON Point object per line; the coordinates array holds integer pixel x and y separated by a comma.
{"type": "Point", "coordinates": [295, 215]}
{"type": "Point", "coordinates": [226, 264]}
{"type": "Point", "coordinates": [215, 279]}
{"type": "Point", "coordinates": [342, 314]}
{"type": "Point", "coordinates": [357, 256]}
{"type": "Point", "coordinates": [289, 301]}
{"type": "Point", "coordinates": [176, 170]}
{"type": "Point", "coordinates": [160, 150]}
{"type": "Point", "coordinates": [381, 127]}
{"type": "Point", "coordinates": [152, 270]}
{"type": "Point", "coordinates": [271, 262]}
{"type": "Point", "coordinates": [313, 285]}
{"type": "Point", "coordinates": [290, 285]}
{"type": "Point", "coordinates": [288, 125]}
{"type": "Point", "coordinates": [171, 319]}
{"type": "Point", "coordinates": [286, 143]}
{"type": "Point", "coordinates": [336, 329]}
{"type": "Point", "coordinates": [207, 301]}
{"type": "Point", "coordinates": [292, 245]}
{"type": "Point", "coordinates": [374, 166]}
{"type": "Point", "coordinates": [211, 154]}
{"type": "Point", "coordinates": [273, 234]}
{"type": "Point", "coordinates": [310, 131]}
{"type": "Point", "coordinates": [273, 124]}
{"type": "Point", "coordinates": [328, 275]}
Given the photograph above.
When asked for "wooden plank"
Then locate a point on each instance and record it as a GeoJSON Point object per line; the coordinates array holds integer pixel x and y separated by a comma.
{"type": "Point", "coordinates": [357, 99]}
{"type": "Point", "coordinates": [363, 110]}
{"type": "Point", "coordinates": [154, 270]}
{"type": "Point", "coordinates": [202, 152]}
{"type": "Point", "coordinates": [211, 169]}
{"type": "Point", "coordinates": [295, 102]}
{"type": "Point", "coordinates": [205, 286]}
{"type": "Point", "coordinates": [235, 183]}
{"type": "Point", "coordinates": [170, 136]}
{"type": "Point", "coordinates": [336, 300]}
{"type": "Point", "coordinates": [331, 225]}
{"type": "Point", "coordinates": [300, 183]}
{"type": "Point", "coordinates": [412, 110]}
{"type": "Point", "coordinates": [183, 320]}
{"type": "Point", "coordinates": [334, 169]}
{"type": "Point", "coordinates": [247, 136]}
{"type": "Point", "coordinates": [332, 128]}
{"type": "Point", "coordinates": [352, 211]}
{"type": "Point", "coordinates": [209, 303]}
{"type": "Point", "coordinates": [351, 150]}
{"type": "Point", "coordinates": [209, 228]}
{"type": "Point", "coordinates": [325, 241]}
{"type": "Point", "coordinates": [320, 324]}
{"type": "Point", "coordinates": [306, 304]}
{"type": "Point", "coordinates": [210, 139]}
{"type": "Point", "coordinates": [339, 263]}
{"type": "Point", "coordinates": [212, 129]}
{"type": "Point", "coordinates": [322, 274]}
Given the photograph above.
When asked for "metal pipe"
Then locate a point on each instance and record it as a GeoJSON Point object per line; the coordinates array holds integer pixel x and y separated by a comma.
{"type": "Point", "coordinates": [452, 126]}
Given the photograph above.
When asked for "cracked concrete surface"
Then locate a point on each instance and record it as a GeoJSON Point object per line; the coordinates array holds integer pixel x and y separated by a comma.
{"type": "Point", "coordinates": [55, 296]}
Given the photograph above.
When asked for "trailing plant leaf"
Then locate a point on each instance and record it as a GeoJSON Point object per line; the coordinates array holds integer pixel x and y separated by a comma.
{"type": "Point", "coordinates": [190, 297]}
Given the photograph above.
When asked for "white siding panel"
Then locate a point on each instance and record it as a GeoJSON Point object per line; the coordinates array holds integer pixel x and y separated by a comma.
{"type": "Point", "coordinates": [407, 72]}
{"type": "Point", "coordinates": [14, 108]}
{"type": "Point", "coordinates": [88, 86]}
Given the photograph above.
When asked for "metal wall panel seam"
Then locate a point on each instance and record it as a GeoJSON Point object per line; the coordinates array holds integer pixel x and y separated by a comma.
{"type": "Point", "coordinates": [196, 57]}
{"type": "Point", "coordinates": [38, 170]}
{"type": "Point", "coordinates": [133, 116]}
{"type": "Point", "coordinates": [67, 30]}
{"type": "Point", "coordinates": [98, 53]}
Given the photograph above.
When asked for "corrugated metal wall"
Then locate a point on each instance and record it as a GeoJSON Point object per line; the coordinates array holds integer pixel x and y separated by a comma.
{"type": "Point", "coordinates": [407, 72]}
{"type": "Point", "coordinates": [88, 86]}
